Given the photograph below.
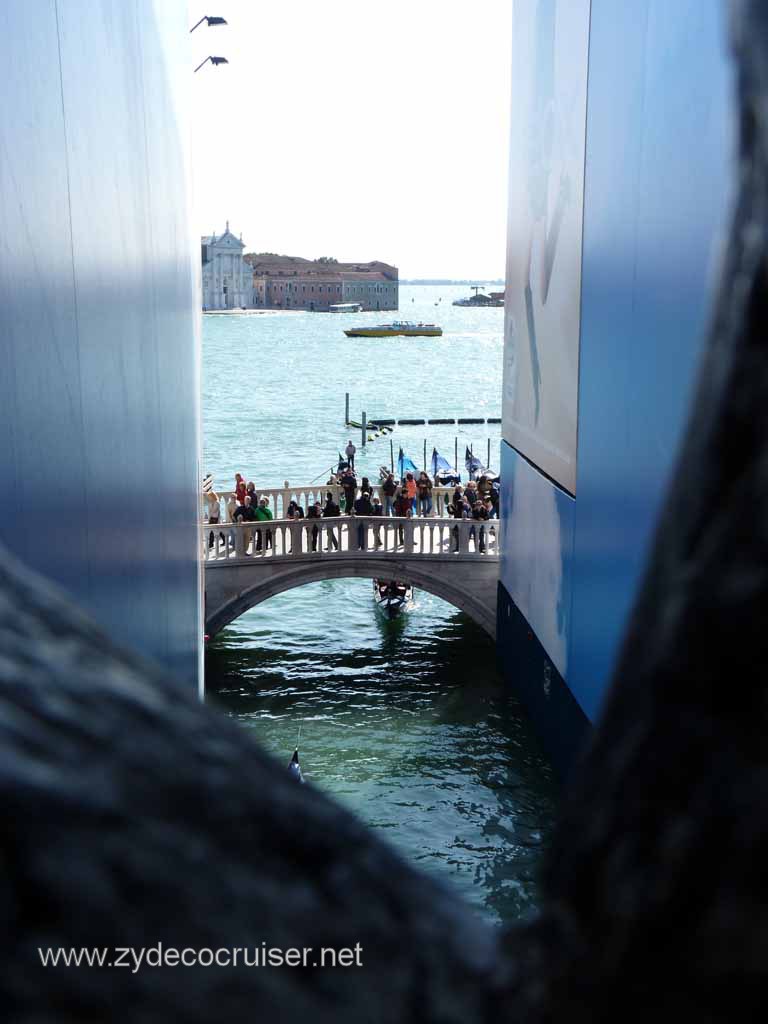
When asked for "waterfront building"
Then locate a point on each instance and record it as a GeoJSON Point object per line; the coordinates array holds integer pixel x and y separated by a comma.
{"type": "Point", "coordinates": [99, 394]}
{"type": "Point", "coordinates": [616, 213]}
{"type": "Point", "coordinates": [290, 282]}
{"type": "Point", "coordinates": [227, 278]}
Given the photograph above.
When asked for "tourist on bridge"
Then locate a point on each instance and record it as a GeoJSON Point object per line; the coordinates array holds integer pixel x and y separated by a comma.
{"type": "Point", "coordinates": [315, 512]}
{"type": "Point", "coordinates": [294, 511]}
{"type": "Point", "coordinates": [263, 515]}
{"type": "Point", "coordinates": [251, 491]}
{"type": "Point", "coordinates": [240, 490]}
{"type": "Point", "coordinates": [389, 487]}
{"type": "Point", "coordinates": [494, 496]}
{"type": "Point", "coordinates": [409, 486]}
{"type": "Point", "coordinates": [363, 507]}
{"type": "Point", "coordinates": [365, 485]}
{"type": "Point", "coordinates": [403, 509]}
{"type": "Point", "coordinates": [349, 451]}
{"type": "Point", "coordinates": [349, 484]}
{"type": "Point", "coordinates": [479, 514]}
{"type": "Point", "coordinates": [484, 487]}
{"type": "Point", "coordinates": [214, 515]}
{"type": "Point", "coordinates": [331, 511]}
{"type": "Point", "coordinates": [459, 509]}
{"type": "Point", "coordinates": [471, 493]}
{"type": "Point", "coordinates": [214, 507]}
{"type": "Point", "coordinates": [245, 513]}
{"type": "Point", "coordinates": [377, 510]}
{"type": "Point", "coordinates": [424, 488]}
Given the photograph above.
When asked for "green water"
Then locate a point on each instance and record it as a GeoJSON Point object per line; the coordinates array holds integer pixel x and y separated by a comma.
{"type": "Point", "coordinates": [407, 723]}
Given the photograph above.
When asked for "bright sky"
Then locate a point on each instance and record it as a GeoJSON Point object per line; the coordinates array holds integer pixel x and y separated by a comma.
{"type": "Point", "coordinates": [357, 130]}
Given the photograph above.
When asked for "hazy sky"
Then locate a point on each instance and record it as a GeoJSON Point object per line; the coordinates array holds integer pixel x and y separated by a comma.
{"type": "Point", "coordinates": [357, 130]}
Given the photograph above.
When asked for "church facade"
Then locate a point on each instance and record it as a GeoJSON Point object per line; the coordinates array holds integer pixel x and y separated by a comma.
{"type": "Point", "coordinates": [227, 278]}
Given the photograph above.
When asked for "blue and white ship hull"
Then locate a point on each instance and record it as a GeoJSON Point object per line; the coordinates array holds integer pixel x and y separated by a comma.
{"type": "Point", "coordinates": [620, 177]}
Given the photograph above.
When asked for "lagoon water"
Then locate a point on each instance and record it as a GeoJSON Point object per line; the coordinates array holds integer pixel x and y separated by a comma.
{"type": "Point", "coordinates": [407, 723]}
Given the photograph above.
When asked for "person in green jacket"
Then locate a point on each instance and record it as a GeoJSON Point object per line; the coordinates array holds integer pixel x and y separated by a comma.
{"type": "Point", "coordinates": [263, 515]}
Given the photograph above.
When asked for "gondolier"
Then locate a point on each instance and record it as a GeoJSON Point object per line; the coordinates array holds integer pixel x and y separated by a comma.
{"type": "Point", "coordinates": [392, 597]}
{"type": "Point", "coordinates": [350, 453]}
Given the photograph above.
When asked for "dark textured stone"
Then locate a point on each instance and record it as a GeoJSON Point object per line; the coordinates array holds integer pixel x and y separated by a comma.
{"type": "Point", "coordinates": [136, 815]}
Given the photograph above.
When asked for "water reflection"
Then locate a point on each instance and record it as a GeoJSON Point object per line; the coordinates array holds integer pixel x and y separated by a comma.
{"type": "Point", "coordinates": [405, 722]}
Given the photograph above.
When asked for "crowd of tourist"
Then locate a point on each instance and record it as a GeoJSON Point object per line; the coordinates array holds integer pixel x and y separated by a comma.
{"type": "Point", "coordinates": [402, 498]}
{"type": "Point", "coordinates": [412, 496]}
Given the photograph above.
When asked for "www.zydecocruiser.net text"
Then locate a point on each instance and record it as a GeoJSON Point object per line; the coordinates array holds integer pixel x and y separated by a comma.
{"type": "Point", "coordinates": [171, 956]}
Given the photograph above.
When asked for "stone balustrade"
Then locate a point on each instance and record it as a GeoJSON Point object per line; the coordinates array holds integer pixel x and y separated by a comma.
{"type": "Point", "coordinates": [306, 496]}
{"type": "Point", "coordinates": [373, 537]}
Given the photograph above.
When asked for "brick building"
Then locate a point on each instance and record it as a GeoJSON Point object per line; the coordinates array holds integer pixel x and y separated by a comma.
{"type": "Point", "coordinates": [290, 282]}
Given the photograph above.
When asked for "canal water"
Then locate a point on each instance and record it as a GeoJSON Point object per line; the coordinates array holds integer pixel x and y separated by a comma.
{"type": "Point", "coordinates": [407, 723]}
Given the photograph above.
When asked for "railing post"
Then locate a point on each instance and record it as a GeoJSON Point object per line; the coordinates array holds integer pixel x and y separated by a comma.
{"type": "Point", "coordinates": [294, 531]}
{"type": "Point", "coordinates": [464, 527]}
{"type": "Point", "coordinates": [362, 537]}
{"type": "Point", "coordinates": [239, 529]}
{"type": "Point", "coordinates": [409, 528]}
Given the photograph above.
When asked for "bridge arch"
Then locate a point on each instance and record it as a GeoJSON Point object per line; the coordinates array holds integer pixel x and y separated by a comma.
{"type": "Point", "coordinates": [227, 600]}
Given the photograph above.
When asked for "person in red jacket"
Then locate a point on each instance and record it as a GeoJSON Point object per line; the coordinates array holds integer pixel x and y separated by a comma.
{"type": "Point", "coordinates": [240, 489]}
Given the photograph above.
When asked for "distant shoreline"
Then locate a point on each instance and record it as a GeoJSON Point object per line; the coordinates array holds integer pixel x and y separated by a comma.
{"type": "Point", "coordinates": [475, 281]}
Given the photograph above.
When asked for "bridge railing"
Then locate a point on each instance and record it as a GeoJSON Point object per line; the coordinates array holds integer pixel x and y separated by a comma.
{"type": "Point", "coordinates": [361, 536]}
{"type": "Point", "coordinates": [281, 497]}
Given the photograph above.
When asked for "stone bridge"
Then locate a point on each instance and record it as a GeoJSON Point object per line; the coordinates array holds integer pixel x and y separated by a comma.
{"type": "Point", "coordinates": [245, 564]}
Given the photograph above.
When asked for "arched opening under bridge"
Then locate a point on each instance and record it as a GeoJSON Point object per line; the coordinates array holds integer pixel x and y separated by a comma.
{"type": "Point", "coordinates": [231, 590]}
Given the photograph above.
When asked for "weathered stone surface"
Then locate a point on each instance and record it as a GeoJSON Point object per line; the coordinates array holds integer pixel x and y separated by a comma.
{"type": "Point", "coordinates": [136, 815]}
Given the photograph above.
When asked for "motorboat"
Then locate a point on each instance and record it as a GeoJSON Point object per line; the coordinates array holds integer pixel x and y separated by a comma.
{"type": "Point", "coordinates": [494, 300]}
{"type": "Point", "coordinates": [480, 300]}
{"type": "Point", "coordinates": [398, 328]}
{"type": "Point", "coordinates": [392, 597]}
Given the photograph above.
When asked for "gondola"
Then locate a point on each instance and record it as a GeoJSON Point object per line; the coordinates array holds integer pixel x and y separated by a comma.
{"type": "Point", "coordinates": [392, 597]}
{"type": "Point", "coordinates": [404, 465]}
{"type": "Point", "coordinates": [443, 473]}
{"type": "Point", "coordinates": [475, 468]}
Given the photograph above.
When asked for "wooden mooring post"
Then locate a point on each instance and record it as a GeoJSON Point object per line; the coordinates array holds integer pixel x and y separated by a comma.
{"type": "Point", "coordinates": [346, 408]}
{"type": "Point", "coordinates": [364, 428]}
